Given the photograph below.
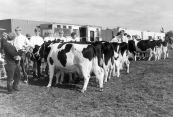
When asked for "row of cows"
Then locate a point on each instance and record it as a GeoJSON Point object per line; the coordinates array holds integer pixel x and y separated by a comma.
{"type": "Point", "coordinates": [104, 59]}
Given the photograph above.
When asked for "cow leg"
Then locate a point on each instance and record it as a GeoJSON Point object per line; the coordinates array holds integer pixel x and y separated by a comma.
{"type": "Point", "coordinates": [51, 70]}
{"type": "Point", "coordinates": [134, 54]}
{"type": "Point", "coordinates": [22, 64]}
{"type": "Point", "coordinates": [62, 77]}
{"type": "Point", "coordinates": [86, 80]}
{"type": "Point", "coordinates": [150, 55]}
{"type": "Point", "coordinates": [127, 62]}
{"type": "Point", "coordinates": [118, 68]}
{"type": "Point", "coordinates": [57, 77]}
{"type": "Point", "coordinates": [70, 77]}
{"type": "Point", "coordinates": [106, 74]}
{"type": "Point", "coordinates": [99, 72]}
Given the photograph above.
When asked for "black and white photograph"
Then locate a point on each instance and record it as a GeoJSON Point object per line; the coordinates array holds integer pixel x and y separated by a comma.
{"type": "Point", "coordinates": [86, 58]}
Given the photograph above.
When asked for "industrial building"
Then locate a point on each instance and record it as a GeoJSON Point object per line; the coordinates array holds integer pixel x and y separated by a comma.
{"type": "Point", "coordinates": [84, 32]}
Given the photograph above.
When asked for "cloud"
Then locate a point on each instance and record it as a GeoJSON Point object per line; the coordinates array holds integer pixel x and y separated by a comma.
{"type": "Point", "coordinates": [138, 14]}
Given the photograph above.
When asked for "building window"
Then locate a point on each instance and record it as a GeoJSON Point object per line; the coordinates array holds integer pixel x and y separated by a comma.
{"type": "Point", "coordinates": [70, 27]}
{"type": "Point", "coordinates": [58, 26]}
{"type": "Point", "coordinates": [50, 26]}
{"type": "Point", "coordinates": [64, 26]}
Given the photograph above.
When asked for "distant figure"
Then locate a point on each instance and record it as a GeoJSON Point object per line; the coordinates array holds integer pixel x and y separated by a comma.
{"type": "Point", "coordinates": [3, 39]}
{"type": "Point", "coordinates": [129, 37]}
{"type": "Point", "coordinates": [74, 37]}
{"type": "Point", "coordinates": [120, 37]}
{"type": "Point", "coordinates": [61, 36]}
{"type": "Point", "coordinates": [49, 37]}
{"type": "Point", "coordinates": [28, 36]}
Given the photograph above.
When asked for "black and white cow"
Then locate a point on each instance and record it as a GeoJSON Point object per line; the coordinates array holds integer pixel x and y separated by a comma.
{"type": "Point", "coordinates": [143, 46]}
{"type": "Point", "coordinates": [80, 58]}
{"type": "Point", "coordinates": [108, 59]}
{"type": "Point", "coordinates": [165, 49]}
{"type": "Point", "coordinates": [122, 59]}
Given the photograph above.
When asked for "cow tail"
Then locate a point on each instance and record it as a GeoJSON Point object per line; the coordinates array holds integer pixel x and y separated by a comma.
{"type": "Point", "coordinates": [112, 53]}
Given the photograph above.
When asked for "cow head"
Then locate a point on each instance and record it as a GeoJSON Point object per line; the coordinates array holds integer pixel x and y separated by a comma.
{"type": "Point", "coordinates": [44, 50]}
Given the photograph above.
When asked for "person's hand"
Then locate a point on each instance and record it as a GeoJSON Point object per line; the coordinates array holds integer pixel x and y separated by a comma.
{"type": "Point", "coordinates": [17, 58]}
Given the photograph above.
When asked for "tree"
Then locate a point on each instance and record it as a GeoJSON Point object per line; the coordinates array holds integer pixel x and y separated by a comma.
{"type": "Point", "coordinates": [169, 36]}
{"type": "Point", "coordinates": [162, 30]}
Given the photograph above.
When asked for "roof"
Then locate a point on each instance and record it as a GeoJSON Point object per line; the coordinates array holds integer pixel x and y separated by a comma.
{"type": "Point", "coordinates": [54, 22]}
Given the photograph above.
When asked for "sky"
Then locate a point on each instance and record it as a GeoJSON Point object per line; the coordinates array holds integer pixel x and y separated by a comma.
{"type": "Point", "coordinates": [141, 15]}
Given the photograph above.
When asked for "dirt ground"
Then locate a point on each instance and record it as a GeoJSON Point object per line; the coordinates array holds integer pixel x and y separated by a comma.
{"type": "Point", "coordinates": [147, 91]}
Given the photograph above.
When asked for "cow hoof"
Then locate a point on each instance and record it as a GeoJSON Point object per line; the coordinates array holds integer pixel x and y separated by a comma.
{"type": "Point", "coordinates": [82, 90]}
{"type": "Point", "coordinates": [101, 89]}
{"type": "Point", "coordinates": [48, 86]}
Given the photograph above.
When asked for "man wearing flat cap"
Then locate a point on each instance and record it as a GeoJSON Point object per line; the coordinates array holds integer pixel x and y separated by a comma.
{"type": "Point", "coordinates": [49, 37]}
{"type": "Point", "coordinates": [12, 67]}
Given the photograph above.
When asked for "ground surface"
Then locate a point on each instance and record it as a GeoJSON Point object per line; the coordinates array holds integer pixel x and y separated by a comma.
{"type": "Point", "coordinates": [147, 91]}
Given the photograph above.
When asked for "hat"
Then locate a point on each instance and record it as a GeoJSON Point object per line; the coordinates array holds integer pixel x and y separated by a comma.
{"type": "Point", "coordinates": [50, 31]}
{"type": "Point", "coordinates": [17, 29]}
{"type": "Point", "coordinates": [61, 31]}
{"type": "Point", "coordinates": [73, 33]}
{"type": "Point", "coordinates": [11, 36]}
{"type": "Point", "coordinates": [28, 35]}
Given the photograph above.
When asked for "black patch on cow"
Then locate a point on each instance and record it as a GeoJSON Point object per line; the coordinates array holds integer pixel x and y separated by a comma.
{"type": "Point", "coordinates": [131, 46]}
{"type": "Point", "coordinates": [89, 52]}
{"type": "Point", "coordinates": [99, 51]}
{"type": "Point", "coordinates": [116, 58]}
{"type": "Point", "coordinates": [108, 52]}
{"type": "Point", "coordinates": [62, 57]}
{"type": "Point", "coordinates": [51, 60]}
{"type": "Point", "coordinates": [123, 47]}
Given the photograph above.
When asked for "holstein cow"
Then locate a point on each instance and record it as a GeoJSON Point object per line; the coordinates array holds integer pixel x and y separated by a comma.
{"type": "Point", "coordinates": [122, 59]}
{"type": "Point", "coordinates": [105, 56]}
{"type": "Point", "coordinates": [80, 58]}
{"type": "Point", "coordinates": [44, 51]}
{"type": "Point", "coordinates": [108, 59]}
{"type": "Point", "coordinates": [143, 46]}
{"type": "Point", "coordinates": [165, 49]}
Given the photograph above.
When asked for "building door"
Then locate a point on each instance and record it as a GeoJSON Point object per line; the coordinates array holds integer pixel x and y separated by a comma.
{"type": "Point", "coordinates": [91, 35]}
{"type": "Point", "coordinates": [83, 34]}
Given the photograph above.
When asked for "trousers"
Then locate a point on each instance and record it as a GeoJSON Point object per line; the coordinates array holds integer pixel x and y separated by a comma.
{"type": "Point", "coordinates": [13, 75]}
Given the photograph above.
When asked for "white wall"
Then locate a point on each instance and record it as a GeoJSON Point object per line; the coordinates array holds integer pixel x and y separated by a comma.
{"type": "Point", "coordinates": [146, 34]}
{"type": "Point", "coordinates": [162, 35]}
{"type": "Point", "coordinates": [134, 32]}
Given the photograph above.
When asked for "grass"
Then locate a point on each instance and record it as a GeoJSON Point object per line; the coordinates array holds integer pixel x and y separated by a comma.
{"type": "Point", "coordinates": [147, 91]}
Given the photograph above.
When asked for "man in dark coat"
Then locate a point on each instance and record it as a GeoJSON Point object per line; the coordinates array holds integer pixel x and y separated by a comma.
{"type": "Point", "coordinates": [12, 67]}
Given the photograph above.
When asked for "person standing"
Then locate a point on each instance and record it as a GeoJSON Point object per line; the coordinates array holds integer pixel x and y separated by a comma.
{"type": "Point", "coordinates": [36, 41]}
{"type": "Point", "coordinates": [12, 64]}
{"type": "Point", "coordinates": [21, 43]}
{"type": "Point", "coordinates": [28, 36]}
{"type": "Point", "coordinates": [49, 37]}
{"type": "Point", "coordinates": [74, 37]}
{"type": "Point", "coordinates": [61, 36]}
{"type": "Point", "coordinates": [3, 39]}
